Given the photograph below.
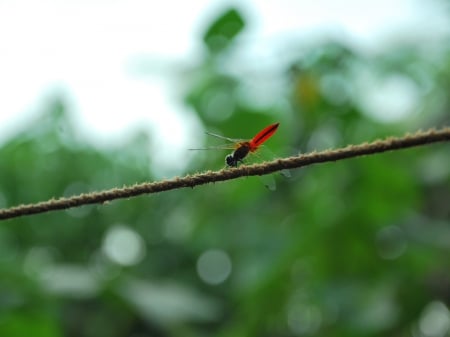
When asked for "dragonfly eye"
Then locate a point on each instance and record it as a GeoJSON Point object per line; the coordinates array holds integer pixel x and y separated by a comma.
{"type": "Point", "coordinates": [230, 160]}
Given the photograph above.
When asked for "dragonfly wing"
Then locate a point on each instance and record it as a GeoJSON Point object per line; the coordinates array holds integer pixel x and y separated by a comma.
{"type": "Point", "coordinates": [269, 182]}
{"type": "Point", "coordinates": [286, 173]}
{"type": "Point", "coordinates": [232, 140]}
{"type": "Point", "coordinates": [221, 147]}
{"type": "Point", "coordinates": [265, 154]}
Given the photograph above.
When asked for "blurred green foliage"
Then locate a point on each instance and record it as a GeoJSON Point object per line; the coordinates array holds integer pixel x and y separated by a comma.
{"type": "Point", "coordinates": [222, 32]}
{"type": "Point", "coordinates": [357, 247]}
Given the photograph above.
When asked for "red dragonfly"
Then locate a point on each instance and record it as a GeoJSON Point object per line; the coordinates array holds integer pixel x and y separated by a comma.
{"type": "Point", "coordinates": [243, 147]}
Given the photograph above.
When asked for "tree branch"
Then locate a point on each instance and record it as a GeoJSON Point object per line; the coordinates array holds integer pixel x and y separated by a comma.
{"type": "Point", "coordinates": [392, 143]}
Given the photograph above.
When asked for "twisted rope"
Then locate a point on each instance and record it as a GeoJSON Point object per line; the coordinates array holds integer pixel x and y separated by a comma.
{"type": "Point", "coordinates": [389, 144]}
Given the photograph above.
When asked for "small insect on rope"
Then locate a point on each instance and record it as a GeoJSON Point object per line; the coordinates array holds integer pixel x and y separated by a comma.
{"type": "Point", "coordinates": [243, 147]}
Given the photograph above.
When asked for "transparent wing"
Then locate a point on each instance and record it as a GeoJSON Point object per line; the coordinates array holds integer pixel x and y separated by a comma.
{"type": "Point", "coordinates": [269, 182]}
{"type": "Point", "coordinates": [286, 173]}
{"type": "Point", "coordinates": [232, 140]}
{"type": "Point", "coordinates": [265, 154]}
{"type": "Point", "coordinates": [221, 147]}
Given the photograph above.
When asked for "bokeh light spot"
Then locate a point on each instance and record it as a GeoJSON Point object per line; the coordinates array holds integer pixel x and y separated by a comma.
{"type": "Point", "coordinates": [391, 242]}
{"type": "Point", "coordinates": [123, 246]}
{"type": "Point", "coordinates": [304, 319]}
{"type": "Point", "coordinates": [435, 320]}
{"type": "Point", "coordinates": [214, 266]}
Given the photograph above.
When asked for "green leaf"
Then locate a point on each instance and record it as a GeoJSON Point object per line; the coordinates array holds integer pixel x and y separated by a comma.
{"type": "Point", "coordinates": [29, 323]}
{"type": "Point", "coordinates": [222, 32]}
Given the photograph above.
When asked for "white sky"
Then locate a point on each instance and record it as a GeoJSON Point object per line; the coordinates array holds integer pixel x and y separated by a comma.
{"type": "Point", "coordinates": [85, 49]}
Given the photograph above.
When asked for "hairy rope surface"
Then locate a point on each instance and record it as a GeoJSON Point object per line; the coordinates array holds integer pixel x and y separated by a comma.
{"type": "Point", "coordinates": [378, 146]}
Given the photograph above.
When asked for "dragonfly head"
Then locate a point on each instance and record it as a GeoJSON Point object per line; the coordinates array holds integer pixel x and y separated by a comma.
{"type": "Point", "coordinates": [238, 155]}
{"type": "Point", "coordinates": [231, 161]}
